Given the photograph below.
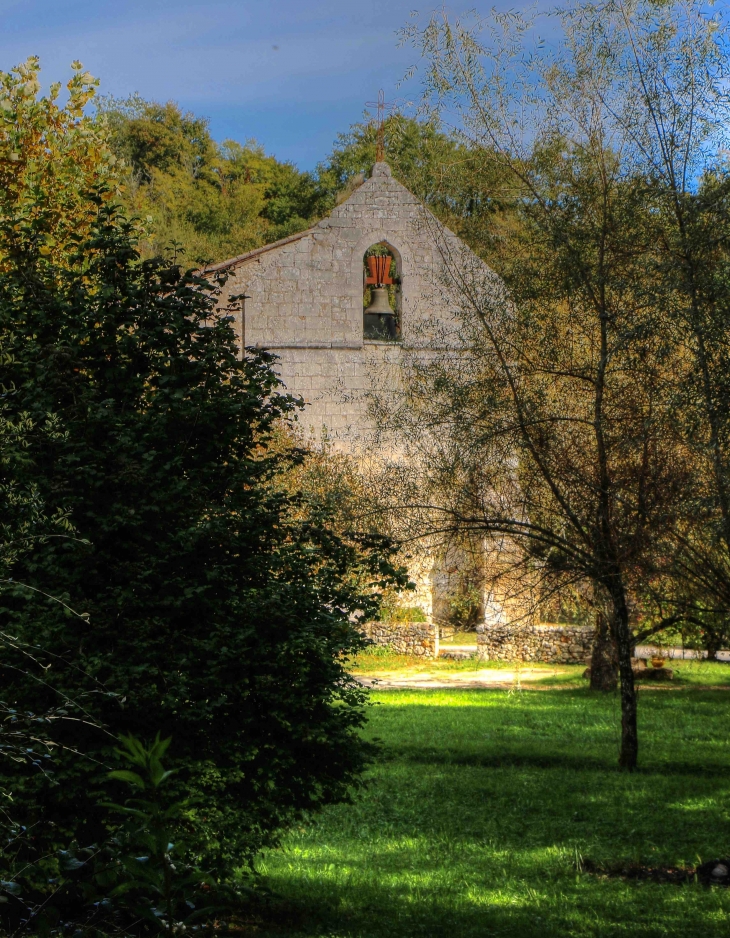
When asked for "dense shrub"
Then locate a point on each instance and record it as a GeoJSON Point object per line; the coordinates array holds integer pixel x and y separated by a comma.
{"type": "Point", "coordinates": [220, 620]}
{"type": "Point", "coordinates": [197, 597]}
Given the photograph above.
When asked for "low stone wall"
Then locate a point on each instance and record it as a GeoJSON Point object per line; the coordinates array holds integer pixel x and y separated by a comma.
{"type": "Point", "coordinates": [559, 644]}
{"type": "Point", "coordinates": [405, 638]}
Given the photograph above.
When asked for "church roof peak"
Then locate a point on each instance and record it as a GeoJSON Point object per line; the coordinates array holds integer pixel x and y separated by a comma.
{"type": "Point", "coordinates": [381, 168]}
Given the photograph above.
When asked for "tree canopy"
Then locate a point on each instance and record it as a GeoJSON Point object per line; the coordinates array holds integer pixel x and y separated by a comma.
{"type": "Point", "coordinates": [211, 201]}
{"type": "Point", "coordinates": [215, 201]}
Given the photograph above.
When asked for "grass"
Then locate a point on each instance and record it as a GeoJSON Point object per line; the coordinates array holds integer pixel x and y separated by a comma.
{"type": "Point", "coordinates": [461, 638]}
{"type": "Point", "coordinates": [481, 804]}
{"type": "Point", "coordinates": [382, 659]}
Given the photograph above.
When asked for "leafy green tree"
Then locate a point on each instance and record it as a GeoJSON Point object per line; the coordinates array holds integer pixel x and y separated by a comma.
{"type": "Point", "coordinates": [202, 599]}
{"type": "Point", "coordinates": [50, 157]}
{"type": "Point", "coordinates": [559, 407]}
{"type": "Point", "coordinates": [678, 121]}
{"type": "Point", "coordinates": [216, 201]}
{"type": "Point", "coordinates": [212, 201]}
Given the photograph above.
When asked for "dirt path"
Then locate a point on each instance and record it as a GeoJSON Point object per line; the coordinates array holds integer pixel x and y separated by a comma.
{"type": "Point", "coordinates": [484, 677]}
{"type": "Point", "coordinates": [496, 679]}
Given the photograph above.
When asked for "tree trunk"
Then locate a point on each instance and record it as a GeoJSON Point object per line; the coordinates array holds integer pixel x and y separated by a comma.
{"type": "Point", "coordinates": [604, 660]}
{"type": "Point", "coordinates": [713, 643]}
{"type": "Point", "coordinates": [621, 634]}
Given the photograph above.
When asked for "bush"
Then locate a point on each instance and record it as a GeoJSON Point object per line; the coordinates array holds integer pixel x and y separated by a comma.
{"type": "Point", "coordinates": [200, 599]}
{"type": "Point", "coordinates": [216, 617]}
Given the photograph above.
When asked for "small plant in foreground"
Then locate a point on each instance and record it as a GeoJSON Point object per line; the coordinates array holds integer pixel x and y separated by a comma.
{"type": "Point", "coordinates": [149, 877]}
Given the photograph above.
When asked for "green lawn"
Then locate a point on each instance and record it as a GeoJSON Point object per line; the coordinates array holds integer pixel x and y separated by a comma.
{"type": "Point", "coordinates": [482, 801]}
{"type": "Point", "coordinates": [460, 638]}
{"type": "Point", "coordinates": [379, 661]}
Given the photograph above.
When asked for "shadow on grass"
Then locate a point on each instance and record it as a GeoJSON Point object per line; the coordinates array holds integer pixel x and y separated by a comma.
{"type": "Point", "coordinates": [563, 761]}
{"type": "Point", "coordinates": [480, 803]}
{"type": "Point", "coordinates": [560, 761]}
{"type": "Point", "coordinates": [321, 909]}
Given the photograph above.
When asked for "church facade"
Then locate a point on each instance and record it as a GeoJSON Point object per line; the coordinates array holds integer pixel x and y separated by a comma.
{"type": "Point", "coordinates": [304, 300]}
{"type": "Point", "coordinates": [339, 305]}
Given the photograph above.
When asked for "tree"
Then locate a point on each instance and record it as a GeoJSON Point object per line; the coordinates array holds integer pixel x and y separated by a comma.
{"type": "Point", "coordinates": [556, 417]}
{"type": "Point", "coordinates": [50, 157]}
{"type": "Point", "coordinates": [214, 201]}
{"type": "Point", "coordinates": [211, 606]}
{"type": "Point", "coordinates": [675, 112]}
{"type": "Point", "coordinates": [211, 201]}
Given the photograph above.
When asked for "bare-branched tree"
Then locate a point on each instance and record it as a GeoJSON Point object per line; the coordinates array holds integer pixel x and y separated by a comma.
{"type": "Point", "coordinates": [549, 424]}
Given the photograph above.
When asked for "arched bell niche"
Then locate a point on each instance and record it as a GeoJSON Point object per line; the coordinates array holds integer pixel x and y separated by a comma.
{"type": "Point", "coordinates": [381, 293]}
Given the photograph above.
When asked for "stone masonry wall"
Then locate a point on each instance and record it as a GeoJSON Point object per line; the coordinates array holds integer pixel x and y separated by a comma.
{"type": "Point", "coordinates": [304, 301]}
{"type": "Point", "coordinates": [405, 638]}
{"type": "Point", "coordinates": [302, 298]}
{"type": "Point", "coordinates": [550, 644]}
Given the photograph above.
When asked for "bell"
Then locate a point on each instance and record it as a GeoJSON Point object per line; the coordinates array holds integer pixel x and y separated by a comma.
{"type": "Point", "coordinates": [379, 318]}
{"type": "Point", "coordinates": [379, 303]}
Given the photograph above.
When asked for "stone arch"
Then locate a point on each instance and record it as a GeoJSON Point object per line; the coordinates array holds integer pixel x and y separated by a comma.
{"type": "Point", "coordinates": [382, 273]}
{"type": "Point", "coordinates": [404, 266]}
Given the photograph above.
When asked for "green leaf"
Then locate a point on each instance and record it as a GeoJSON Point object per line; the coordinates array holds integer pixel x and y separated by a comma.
{"type": "Point", "coordinates": [124, 775]}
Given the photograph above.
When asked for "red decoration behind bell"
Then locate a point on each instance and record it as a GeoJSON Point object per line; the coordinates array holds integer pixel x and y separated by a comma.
{"type": "Point", "coordinates": [379, 268]}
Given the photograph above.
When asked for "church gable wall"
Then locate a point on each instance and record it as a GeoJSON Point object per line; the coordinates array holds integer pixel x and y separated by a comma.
{"type": "Point", "coordinates": [308, 293]}
{"type": "Point", "coordinates": [305, 303]}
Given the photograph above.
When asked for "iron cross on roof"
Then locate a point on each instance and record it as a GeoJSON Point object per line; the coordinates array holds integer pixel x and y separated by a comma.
{"type": "Point", "coordinates": [382, 107]}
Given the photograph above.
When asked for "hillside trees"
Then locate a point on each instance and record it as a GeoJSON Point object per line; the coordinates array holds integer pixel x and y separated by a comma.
{"type": "Point", "coordinates": [200, 598]}
{"type": "Point", "coordinates": [215, 201]}
{"type": "Point", "coordinates": [212, 201]}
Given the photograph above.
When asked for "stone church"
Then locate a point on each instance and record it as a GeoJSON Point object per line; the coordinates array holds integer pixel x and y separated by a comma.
{"type": "Point", "coordinates": [304, 299]}
{"type": "Point", "coordinates": [339, 304]}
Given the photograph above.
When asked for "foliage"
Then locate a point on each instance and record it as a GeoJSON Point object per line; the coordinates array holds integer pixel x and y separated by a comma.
{"type": "Point", "coordinates": [216, 201]}
{"type": "Point", "coordinates": [465, 605]}
{"type": "Point", "coordinates": [27, 747]}
{"type": "Point", "coordinates": [29, 737]}
{"type": "Point", "coordinates": [685, 74]}
{"type": "Point", "coordinates": [558, 431]}
{"type": "Point", "coordinates": [211, 201]}
{"type": "Point", "coordinates": [146, 874]}
{"type": "Point", "coordinates": [192, 579]}
{"type": "Point", "coordinates": [23, 519]}
{"type": "Point", "coordinates": [395, 613]}
{"type": "Point", "coordinates": [50, 157]}
{"type": "Point", "coordinates": [199, 597]}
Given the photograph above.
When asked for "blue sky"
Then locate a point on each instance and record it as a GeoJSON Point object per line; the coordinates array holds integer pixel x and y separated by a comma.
{"type": "Point", "coordinates": [291, 73]}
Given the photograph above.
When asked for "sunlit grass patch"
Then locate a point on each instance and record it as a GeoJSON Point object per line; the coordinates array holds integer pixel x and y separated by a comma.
{"type": "Point", "coordinates": [482, 803]}
{"type": "Point", "coordinates": [698, 672]}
